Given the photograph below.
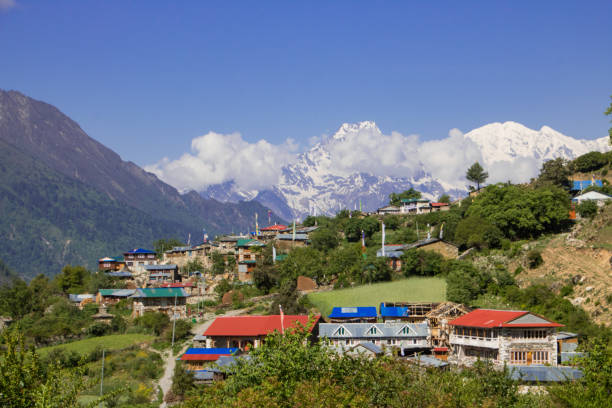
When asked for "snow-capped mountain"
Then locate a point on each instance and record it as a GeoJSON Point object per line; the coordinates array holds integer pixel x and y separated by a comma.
{"type": "Point", "coordinates": [349, 167]}
{"type": "Point", "coordinates": [510, 140]}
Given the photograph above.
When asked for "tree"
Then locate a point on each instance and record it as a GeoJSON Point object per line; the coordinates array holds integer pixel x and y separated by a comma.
{"type": "Point", "coordinates": [393, 222]}
{"type": "Point", "coordinates": [555, 172]}
{"type": "Point", "coordinates": [182, 380]}
{"type": "Point", "coordinates": [589, 162]}
{"type": "Point", "coordinates": [73, 279]}
{"type": "Point", "coordinates": [218, 262]}
{"type": "Point", "coordinates": [587, 209]}
{"type": "Point", "coordinates": [420, 262]}
{"type": "Point", "coordinates": [163, 245]}
{"type": "Point", "coordinates": [324, 239]}
{"type": "Point", "coordinates": [396, 199]}
{"type": "Point", "coordinates": [476, 174]}
{"type": "Point", "coordinates": [475, 231]}
{"type": "Point", "coordinates": [444, 198]}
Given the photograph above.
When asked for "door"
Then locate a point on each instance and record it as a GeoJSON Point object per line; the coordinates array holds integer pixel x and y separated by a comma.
{"type": "Point", "coordinates": [529, 358]}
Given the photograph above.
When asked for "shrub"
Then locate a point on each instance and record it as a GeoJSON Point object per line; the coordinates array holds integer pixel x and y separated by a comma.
{"type": "Point", "coordinates": [98, 329]}
{"type": "Point", "coordinates": [534, 259]}
{"type": "Point", "coordinates": [567, 290]}
{"type": "Point", "coordinates": [587, 209]}
{"type": "Point", "coordinates": [153, 321]}
{"type": "Point", "coordinates": [589, 162]}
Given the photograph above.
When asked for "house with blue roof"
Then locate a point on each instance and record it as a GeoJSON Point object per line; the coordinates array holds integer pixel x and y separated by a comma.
{"type": "Point", "coordinates": [359, 314]}
{"type": "Point", "coordinates": [138, 258]}
{"type": "Point", "coordinates": [394, 313]}
{"type": "Point", "coordinates": [579, 185]}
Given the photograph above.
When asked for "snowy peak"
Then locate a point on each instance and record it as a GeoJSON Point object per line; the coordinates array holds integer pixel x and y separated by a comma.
{"type": "Point", "coordinates": [348, 128]}
{"type": "Point", "coordinates": [510, 140]}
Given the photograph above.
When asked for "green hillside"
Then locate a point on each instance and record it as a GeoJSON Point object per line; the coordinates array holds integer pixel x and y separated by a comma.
{"type": "Point", "coordinates": [49, 220]}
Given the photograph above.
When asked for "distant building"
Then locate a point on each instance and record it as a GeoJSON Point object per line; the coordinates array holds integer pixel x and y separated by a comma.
{"type": "Point", "coordinates": [163, 300]}
{"type": "Point", "coordinates": [406, 338]}
{"type": "Point", "coordinates": [415, 206]}
{"type": "Point", "coordinates": [158, 274]}
{"type": "Point", "coordinates": [181, 255]}
{"type": "Point", "coordinates": [599, 198]}
{"type": "Point", "coordinates": [272, 230]}
{"type": "Point", "coordinates": [446, 249]}
{"type": "Point", "coordinates": [111, 296]}
{"type": "Point", "coordinates": [138, 258]}
{"type": "Point", "coordinates": [245, 332]}
{"type": "Point", "coordinates": [288, 241]}
{"type": "Point", "coordinates": [197, 358]}
{"type": "Point", "coordinates": [579, 185]}
{"type": "Point", "coordinates": [503, 337]}
{"type": "Point", "coordinates": [439, 207]}
{"type": "Point", "coordinates": [388, 210]}
{"type": "Point", "coordinates": [111, 264]}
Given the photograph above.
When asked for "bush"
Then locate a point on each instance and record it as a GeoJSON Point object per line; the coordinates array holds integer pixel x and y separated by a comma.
{"type": "Point", "coordinates": [534, 259]}
{"type": "Point", "coordinates": [589, 162]}
{"type": "Point", "coordinates": [567, 290]}
{"type": "Point", "coordinates": [420, 262]}
{"type": "Point", "coordinates": [587, 209]}
{"type": "Point", "coordinates": [475, 231]}
{"type": "Point", "coordinates": [98, 329]}
{"type": "Point", "coordinates": [153, 321]}
{"type": "Point", "coordinates": [181, 330]}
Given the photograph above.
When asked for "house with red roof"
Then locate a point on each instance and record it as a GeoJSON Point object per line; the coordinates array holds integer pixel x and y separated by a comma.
{"type": "Point", "coordinates": [196, 358]}
{"type": "Point", "coordinates": [245, 332]}
{"type": "Point", "coordinates": [272, 230]}
{"type": "Point", "coordinates": [514, 337]}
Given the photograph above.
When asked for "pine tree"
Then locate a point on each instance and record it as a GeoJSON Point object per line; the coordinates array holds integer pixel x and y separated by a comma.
{"type": "Point", "coordinates": [476, 174]}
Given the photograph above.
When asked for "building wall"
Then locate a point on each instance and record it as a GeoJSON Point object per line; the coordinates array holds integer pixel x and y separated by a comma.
{"type": "Point", "coordinates": [163, 305]}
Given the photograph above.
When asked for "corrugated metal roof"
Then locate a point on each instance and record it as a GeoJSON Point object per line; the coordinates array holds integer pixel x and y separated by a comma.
{"type": "Point", "coordinates": [393, 311]}
{"type": "Point", "coordinates": [362, 330]}
{"type": "Point", "coordinates": [204, 350]}
{"type": "Point", "coordinates": [254, 325]}
{"type": "Point", "coordinates": [117, 292]}
{"type": "Point", "coordinates": [535, 373]}
{"type": "Point", "coordinates": [275, 227]}
{"type": "Point", "coordinates": [349, 312]}
{"type": "Point", "coordinates": [159, 292]}
{"type": "Point", "coordinates": [591, 195]}
{"type": "Point", "coordinates": [488, 318]}
{"type": "Point", "coordinates": [368, 345]}
{"type": "Point", "coordinates": [161, 267]}
{"type": "Point", "coordinates": [140, 251]}
{"type": "Point", "coordinates": [289, 237]}
{"type": "Point", "coordinates": [582, 184]}
{"type": "Point", "coordinates": [228, 361]}
{"type": "Point", "coordinates": [120, 274]}
{"type": "Point", "coordinates": [203, 375]}
{"type": "Point", "coordinates": [428, 361]}
{"type": "Point", "coordinates": [562, 335]}
{"type": "Point", "coordinates": [568, 356]}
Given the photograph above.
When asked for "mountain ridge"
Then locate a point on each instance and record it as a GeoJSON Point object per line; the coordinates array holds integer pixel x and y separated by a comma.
{"type": "Point", "coordinates": [313, 179]}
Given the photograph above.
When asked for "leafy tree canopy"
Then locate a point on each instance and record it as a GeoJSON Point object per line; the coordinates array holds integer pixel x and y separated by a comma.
{"type": "Point", "coordinates": [476, 174]}
{"type": "Point", "coordinates": [555, 172]}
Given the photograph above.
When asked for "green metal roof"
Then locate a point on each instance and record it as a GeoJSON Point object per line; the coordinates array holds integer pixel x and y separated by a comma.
{"type": "Point", "coordinates": [159, 292]}
{"type": "Point", "coordinates": [242, 242]}
{"type": "Point", "coordinates": [249, 261]}
{"type": "Point", "coordinates": [281, 257]}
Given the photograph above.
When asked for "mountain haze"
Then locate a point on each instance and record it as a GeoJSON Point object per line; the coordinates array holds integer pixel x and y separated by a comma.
{"type": "Point", "coordinates": [66, 198]}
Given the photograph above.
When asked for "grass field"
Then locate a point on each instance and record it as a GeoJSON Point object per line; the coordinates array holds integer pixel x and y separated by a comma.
{"type": "Point", "coordinates": [405, 290]}
{"type": "Point", "coordinates": [112, 342]}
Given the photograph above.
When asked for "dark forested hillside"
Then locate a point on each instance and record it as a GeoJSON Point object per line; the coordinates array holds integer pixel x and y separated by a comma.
{"type": "Point", "coordinates": [65, 198]}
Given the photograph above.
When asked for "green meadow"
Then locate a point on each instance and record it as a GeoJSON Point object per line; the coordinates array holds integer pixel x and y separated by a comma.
{"type": "Point", "coordinates": [405, 290]}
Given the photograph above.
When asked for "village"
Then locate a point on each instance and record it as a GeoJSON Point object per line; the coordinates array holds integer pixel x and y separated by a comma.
{"type": "Point", "coordinates": [433, 335]}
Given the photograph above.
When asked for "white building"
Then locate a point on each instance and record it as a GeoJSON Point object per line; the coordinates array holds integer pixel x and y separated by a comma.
{"type": "Point", "coordinates": [503, 336]}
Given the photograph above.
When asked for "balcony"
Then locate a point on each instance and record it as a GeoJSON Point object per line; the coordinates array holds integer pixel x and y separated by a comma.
{"type": "Point", "coordinates": [489, 342]}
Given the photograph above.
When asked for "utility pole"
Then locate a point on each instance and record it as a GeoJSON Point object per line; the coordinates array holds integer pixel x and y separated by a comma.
{"type": "Point", "coordinates": [173, 320]}
{"type": "Point", "coordinates": [102, 377]}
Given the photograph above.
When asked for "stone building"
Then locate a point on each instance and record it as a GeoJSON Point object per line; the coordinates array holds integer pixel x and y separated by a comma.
{"type": "Point", "coordinates": [165, 300]}
{"type": "Point", "coordinates": [504, 337]}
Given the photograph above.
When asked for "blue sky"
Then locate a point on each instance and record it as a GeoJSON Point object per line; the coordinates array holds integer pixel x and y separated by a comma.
{"type": "Point", "coordinates": [146, 77]}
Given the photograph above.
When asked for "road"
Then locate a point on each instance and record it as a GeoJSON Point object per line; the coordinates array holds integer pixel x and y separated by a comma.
{"type": "Point", "coordinates": [165, 382]}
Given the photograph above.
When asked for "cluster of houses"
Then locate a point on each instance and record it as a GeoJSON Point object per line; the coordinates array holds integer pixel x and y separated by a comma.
{"type": "Point", "coordinates": [413, 206]}
{"type": "Point", "coordinates": [427, 334]}
{"type": "Point", "coordinates": [157, 282]}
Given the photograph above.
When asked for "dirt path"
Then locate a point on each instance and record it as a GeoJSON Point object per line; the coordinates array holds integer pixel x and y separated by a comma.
{"type": "Point", "coordinates": [165, 382]}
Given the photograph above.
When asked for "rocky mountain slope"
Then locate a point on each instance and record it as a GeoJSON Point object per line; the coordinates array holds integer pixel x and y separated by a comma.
{"type": "Point", "coordinates": [316, 183]}
{"type": "Point", "coordinates": [66, 198]}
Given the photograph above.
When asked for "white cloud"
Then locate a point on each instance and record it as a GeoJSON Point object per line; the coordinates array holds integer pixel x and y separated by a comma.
{"type": "Point", "coordinates": [6, 5]}
{"type": "Point", "coordinates": [216, 158]}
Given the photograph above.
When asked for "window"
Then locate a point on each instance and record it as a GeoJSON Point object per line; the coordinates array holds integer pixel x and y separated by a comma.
{"type": "Point", "coordinates": [341, 331]}
{"type": "Point", "coordinates": [373, 330]}
{"type": "Point", "coordinates": [405, 330]}
{"type": "Point", "coordinates": [518, 357]}
{"type": "Point", "coordinates": [540, 357]}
